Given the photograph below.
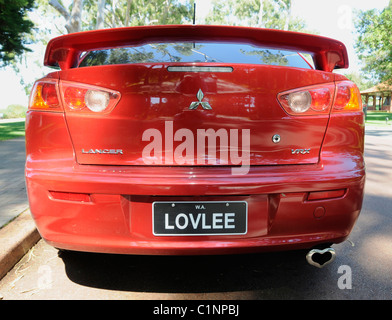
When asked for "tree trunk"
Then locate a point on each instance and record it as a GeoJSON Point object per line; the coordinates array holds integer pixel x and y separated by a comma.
{"type": "Point", "coordinates": [100, 14]}
{"type": "Point", "coordinates": [260, 21]}
{"type": "Point", "coordinates": [73, 19]}
{"type": "Point", "coordinates": [288, 16]}
{"type": "Point", "coordinates": [127, 14]}
{"type": "Point", "coordinates": [287, 6]}
{"type": "Point", "coordinates": [74, 24]}
{"type": "Point", "coordinates": [165, 12]}
{"type": "Point", "coordinates": [59, 7]}
{"type": "Point", "coordinates": [113, 13]}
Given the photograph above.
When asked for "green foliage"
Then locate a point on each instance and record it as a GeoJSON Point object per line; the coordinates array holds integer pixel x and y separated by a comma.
{"type": "Point", "coordinates": [374, 44]}
{"type": "Point", "coordinates": [273, 14]}
{"type": "Point", "coordinates": [14, 111]}
{"type": "Point", "coordinates": [14, 26]}
{"type": "Point", "coordinates": [359, 80]}
{"type": "Point", "coordinates": [139, 12]}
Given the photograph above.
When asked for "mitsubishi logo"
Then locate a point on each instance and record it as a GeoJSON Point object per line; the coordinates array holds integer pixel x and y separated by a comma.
{"type": "Point", "coordinates": [205, 105]}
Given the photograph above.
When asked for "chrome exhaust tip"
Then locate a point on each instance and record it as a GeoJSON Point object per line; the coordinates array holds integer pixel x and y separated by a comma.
{"type": "Point", "coordinates": [320, 258]}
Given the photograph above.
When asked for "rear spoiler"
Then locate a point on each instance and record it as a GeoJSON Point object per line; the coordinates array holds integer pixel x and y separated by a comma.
{"type": "Point", "coordinates": [65, 51]}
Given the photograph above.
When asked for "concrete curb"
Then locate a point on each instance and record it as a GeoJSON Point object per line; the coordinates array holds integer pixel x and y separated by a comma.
{"type": "Point", "coordinates": [17, 238]}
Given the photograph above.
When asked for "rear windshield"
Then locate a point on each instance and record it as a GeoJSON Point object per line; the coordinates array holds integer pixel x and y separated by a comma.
{"type": "Point", "coordinates": [193, 52]}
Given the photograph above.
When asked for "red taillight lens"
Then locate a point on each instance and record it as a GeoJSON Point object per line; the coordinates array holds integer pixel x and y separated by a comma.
{"type": "Point", "coordinates": [318, 99]}
{"type": "Point", "coordinates": [308, 101]}
{"type": "Point", "coordinates": [87, 99]}
{"type": "Point", "coordinates": [348, 97]}
{"type": "Point", "coordinates": [44, 96]}
{"type": "Point", "coordinates": [321, 99]}
{"type": "Point", "coordinates": [74, 98]}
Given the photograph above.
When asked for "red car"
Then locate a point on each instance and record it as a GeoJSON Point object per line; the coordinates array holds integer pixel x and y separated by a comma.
{"type": "Point", "coordinates": [180, 140]}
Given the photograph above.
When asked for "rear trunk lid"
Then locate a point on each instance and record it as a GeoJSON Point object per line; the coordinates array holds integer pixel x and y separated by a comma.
{"type": "Point", "coordinates": [153, 124]}
{"type": "Point", "coordinates": [200, 112]}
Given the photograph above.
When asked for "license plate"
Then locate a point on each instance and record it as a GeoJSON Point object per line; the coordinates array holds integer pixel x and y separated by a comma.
{"type": "Point", "coordinates": [187, 218]}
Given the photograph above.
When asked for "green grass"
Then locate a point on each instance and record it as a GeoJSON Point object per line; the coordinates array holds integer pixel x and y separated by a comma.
{"type": "Point", "coordinates": [379, 118]}
{"type": "Point", "coordinates": [12, 130]}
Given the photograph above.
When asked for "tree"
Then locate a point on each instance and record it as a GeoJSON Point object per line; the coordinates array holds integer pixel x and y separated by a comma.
{"type": "Point", "coordinates": [359, 80]}
{"type": "Point", "coordinates": [274, 14]}
{"type": "Point", "coordinates": [123, 13]}
{"type": "Point", "coordinates": [99, 14]}
{"type": "Point", "coordinates": [373, 44]}
{"type": "Point", "coordinates": [14, 27]}
{"type": "Point", "coordinates": [73, 17]}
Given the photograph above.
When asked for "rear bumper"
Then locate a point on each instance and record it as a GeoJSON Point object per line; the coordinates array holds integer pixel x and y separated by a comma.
{"type": "Point", "coordinates": [118, 218]}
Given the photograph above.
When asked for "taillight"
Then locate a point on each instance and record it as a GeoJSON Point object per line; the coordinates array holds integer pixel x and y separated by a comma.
{"type": "Point", "coordinates": [348, 97]}
{"type": "Point", "coordinates": [86, 99]}
{"type": "Point", "coordinates": [308, 101]}
{"type": "Point", "coordinates": [44, 96]}
{"type": "Point", "coordinates": [315, 100]}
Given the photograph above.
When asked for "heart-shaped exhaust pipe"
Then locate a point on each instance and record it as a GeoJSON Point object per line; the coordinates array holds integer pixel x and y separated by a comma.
{"type": "Point", "coordinates": [320, 258]}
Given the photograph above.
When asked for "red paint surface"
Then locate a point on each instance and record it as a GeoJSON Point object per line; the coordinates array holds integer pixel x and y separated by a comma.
{"type": "Point", "coordinates": [122, 187]}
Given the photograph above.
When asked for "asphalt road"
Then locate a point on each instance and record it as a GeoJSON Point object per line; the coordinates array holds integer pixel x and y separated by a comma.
{"type": "Point", "coordinates": [362, 269]}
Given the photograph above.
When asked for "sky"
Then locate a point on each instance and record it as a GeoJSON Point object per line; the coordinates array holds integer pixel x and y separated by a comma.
{"type": "Point", "coordinates": [332, 18]}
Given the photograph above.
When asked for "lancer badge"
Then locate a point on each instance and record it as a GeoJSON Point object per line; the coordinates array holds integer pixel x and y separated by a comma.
{"type": "Point", "coordinates": [205, 105]}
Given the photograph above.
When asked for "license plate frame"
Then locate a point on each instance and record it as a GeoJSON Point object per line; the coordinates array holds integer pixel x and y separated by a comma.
{"type": "Point", "coordinates": [199, 218]}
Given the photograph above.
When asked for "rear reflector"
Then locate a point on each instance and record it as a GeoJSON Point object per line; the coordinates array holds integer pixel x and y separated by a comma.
{"type": "Point", "coordinates": [70, 196]}
{"type": "Point", "coordinates": [324, 195]}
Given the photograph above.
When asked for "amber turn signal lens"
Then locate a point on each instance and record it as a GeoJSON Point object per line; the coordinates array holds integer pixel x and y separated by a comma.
{"type": "Point", "coordinates": [348, 97]}
{"type": "Point", "coordinates": [44, 96]}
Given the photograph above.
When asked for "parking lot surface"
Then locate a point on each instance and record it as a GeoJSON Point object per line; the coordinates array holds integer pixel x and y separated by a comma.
{"type": "Point", "coordinates": [362, 269]}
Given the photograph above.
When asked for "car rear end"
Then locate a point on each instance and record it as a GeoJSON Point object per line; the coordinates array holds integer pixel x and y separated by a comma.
{"type": "Point", "coordinates": [194, 140]}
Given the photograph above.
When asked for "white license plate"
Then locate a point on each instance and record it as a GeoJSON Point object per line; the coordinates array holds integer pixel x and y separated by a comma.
{"type": "Point", "coordinates": [187, 218]}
